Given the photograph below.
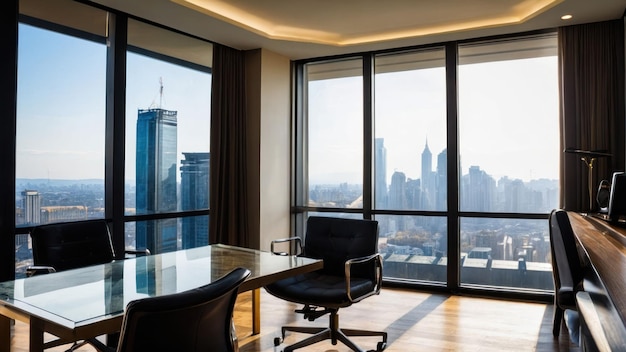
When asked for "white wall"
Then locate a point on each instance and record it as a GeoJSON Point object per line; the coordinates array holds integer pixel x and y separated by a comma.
{"type": "Point", "coordinates": [268, 89]}
{"type": "Point", "coordinates": [275, 147]}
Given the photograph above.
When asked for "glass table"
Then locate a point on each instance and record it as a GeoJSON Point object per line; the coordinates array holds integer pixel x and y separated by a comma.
{"type": "Point", "coordinates": [88, 302]}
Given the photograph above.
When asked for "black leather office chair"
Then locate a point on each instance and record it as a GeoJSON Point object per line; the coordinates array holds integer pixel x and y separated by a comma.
{"type": "Point", "coordinates": [70, 245]}
{"type": "Point", "coordinates": [352, 271]}
{"type": "Point", "coordinates": [567, 269]}
{"type": "Point", "coordinates": [196, 320]}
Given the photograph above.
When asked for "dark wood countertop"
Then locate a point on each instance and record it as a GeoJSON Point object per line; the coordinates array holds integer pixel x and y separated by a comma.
{"type": "Point", "coordinates": [603, 304]}
{"type": "Point", "coordinates": [605, 246]}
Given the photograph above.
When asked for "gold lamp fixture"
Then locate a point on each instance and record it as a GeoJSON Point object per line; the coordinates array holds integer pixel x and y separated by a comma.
{"type": "Point", "coordinates": [589, 157]}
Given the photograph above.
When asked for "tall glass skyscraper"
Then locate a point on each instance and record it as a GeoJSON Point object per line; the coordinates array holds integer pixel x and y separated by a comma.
{"type": "Point", "coordinates": [194, 189]}
{"type": "Point", "coordinates": [428, 186]}
{"type": "Point", "coordinates": [156, 178]}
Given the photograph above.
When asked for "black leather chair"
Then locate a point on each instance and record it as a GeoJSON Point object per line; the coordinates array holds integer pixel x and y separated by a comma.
{"type": "Point", "coordinates": [195, 320]}
{"type": "Point", "coordinates": [567, 270]}
{"type": "Point", "coordinates": [70, 245]}
{"type": "Point", "coordinates": [352, 271]}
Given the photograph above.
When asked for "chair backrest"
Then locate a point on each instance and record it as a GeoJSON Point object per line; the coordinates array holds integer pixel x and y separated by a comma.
{"type": "Point", "coordinates": [336, 240]}
{"type": "Point", "coordinates": [566, 266]}
{"type": "Point", "coordinates": [195, 320]}
{"type": "Point", "coordinates": [72, 245]}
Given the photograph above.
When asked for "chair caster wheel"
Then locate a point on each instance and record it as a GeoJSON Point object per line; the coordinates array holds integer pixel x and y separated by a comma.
{"type": "Point", "coordinates": [381, 346]}
{"type": "Point", "coordinates": [277, 341]}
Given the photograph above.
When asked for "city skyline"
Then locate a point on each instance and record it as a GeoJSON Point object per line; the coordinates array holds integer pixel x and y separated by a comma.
{"type": "Point", "coordinates": [478, 190]}
{"type": "Point", "coordinates": [444, 150]}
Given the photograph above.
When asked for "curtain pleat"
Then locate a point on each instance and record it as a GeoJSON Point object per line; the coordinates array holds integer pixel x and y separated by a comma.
{"type": "Point", "coordinates": [228, 222]}
{"type": "Point", "coordinates": [591, 82]}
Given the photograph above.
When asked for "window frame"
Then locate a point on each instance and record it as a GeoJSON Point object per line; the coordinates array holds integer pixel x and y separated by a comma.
{"type": "Point", "coordinates": [300, 207]}
{"type": "Point", "coordinates": [114, 176]}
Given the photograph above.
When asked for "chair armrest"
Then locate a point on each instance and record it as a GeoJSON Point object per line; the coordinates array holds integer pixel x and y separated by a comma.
{"type": "Point", "coordinates": [138, 253]}
{"type": "Point", "coordinates": [295, 241]}
{"type": "Point", "coordinates": [39, 269]}
{"type": "Point", "coordinates": [377, 259]}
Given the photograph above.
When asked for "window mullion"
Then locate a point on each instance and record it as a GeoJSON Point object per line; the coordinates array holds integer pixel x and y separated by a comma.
{"type": "Point", "coordinates": [368, 133]}
{"type": "Point", "coordinates": [452, 165]}
{"type": "Point", "coordinates": [8, 98]}
{"type": "Point", "coordinates": [115, 128]}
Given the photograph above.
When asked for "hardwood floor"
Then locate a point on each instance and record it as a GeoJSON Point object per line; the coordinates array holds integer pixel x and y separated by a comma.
{"type": "Point", "coordinates": [414, 321]}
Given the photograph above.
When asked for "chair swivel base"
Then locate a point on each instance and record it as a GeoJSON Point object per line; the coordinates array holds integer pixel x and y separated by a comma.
{"type": "Point", "coordinates": [333, 333]}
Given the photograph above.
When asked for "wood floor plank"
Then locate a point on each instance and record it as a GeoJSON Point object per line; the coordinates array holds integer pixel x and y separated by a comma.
{"type": "Point", "coordinates": [414, 321]}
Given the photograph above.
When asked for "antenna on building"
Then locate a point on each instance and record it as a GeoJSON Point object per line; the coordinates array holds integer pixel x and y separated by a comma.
{"type": "Point", "coordinates": [160, 91]}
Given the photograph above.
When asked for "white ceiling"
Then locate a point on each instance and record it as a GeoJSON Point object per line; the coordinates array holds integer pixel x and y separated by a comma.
{"type": "Point", "coordinates": [313, 28]}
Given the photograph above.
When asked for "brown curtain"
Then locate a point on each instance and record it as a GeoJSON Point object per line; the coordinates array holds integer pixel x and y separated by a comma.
{"type": "Point", "coordinates": [591, 79]}
{"type": "Point", "coordinates": [228, 222]}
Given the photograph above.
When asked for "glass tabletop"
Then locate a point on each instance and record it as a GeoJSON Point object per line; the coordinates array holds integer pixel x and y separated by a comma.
{"type": "Point", "coordinates": [81, 296]}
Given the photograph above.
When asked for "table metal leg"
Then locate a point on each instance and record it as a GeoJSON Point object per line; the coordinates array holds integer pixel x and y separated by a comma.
{"type": "Point", "coordinates": [256, 311]}
{"type": "Point", "coordinates": [36, 335]}
{"type": "Point", "coordinates": [5, 333]}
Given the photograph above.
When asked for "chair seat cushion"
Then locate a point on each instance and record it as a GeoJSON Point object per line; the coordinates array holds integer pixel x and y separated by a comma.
{"type": "Point", "coordinates": [320, 289]}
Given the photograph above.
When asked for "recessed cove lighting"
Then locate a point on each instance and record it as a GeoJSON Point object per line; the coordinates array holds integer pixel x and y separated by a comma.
{"type": "Point", "coordinates": [566, 17]}
{"type": "Point", "coordinates": [306, 24]}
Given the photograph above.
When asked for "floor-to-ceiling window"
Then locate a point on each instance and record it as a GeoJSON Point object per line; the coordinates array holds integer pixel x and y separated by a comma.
{"type": "Point", "coordinates": [334, 114]}
{"type": "Point", "coordinates": [410, 160]}
{"type": "Point", "coordinates": [60, 134]}
{"type": "Point", "coordinates": [60, 127]}
{"type": "Point", "coordinates": [509, 153]}
{"type": "Point", "coordinates": [68, 131]}
{"type": "Point", "coordinates": [462, 141]}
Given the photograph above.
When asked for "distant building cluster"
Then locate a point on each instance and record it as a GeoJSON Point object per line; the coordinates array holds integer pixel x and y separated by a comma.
{"type": "Point", "coordinates": [479, 191]}
{"type": "Point", "coordinates": [54, 201]}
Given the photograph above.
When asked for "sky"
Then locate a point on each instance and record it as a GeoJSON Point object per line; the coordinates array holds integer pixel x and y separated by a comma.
{"type": "Point", "coordinates": [508, 122]}
{"type": "Point", "coordinates": [59, 111]}
{"type": "Point", "coordinates": [61, 105]}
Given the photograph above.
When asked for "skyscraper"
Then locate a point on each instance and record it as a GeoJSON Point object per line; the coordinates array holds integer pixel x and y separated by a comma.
{"type": "Point", "coordinates": [442, 183]}
{"type": "Point", "coordinates": [381, 174]}
{"type": "Point", "coordinates": [428, 186]}
{"type": "Point", "coordinates": [480, 190]}
{"type": "Point", "coordinates": [397, 197]}
{"type": "Point", "coordinates": [194, 189]}
{"type": "Point", "coordinates": [32, 207]}
{"type": "Point", "coordinates": [156, 178]}
{"type": "Point", "coordinates": [397, 191]}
